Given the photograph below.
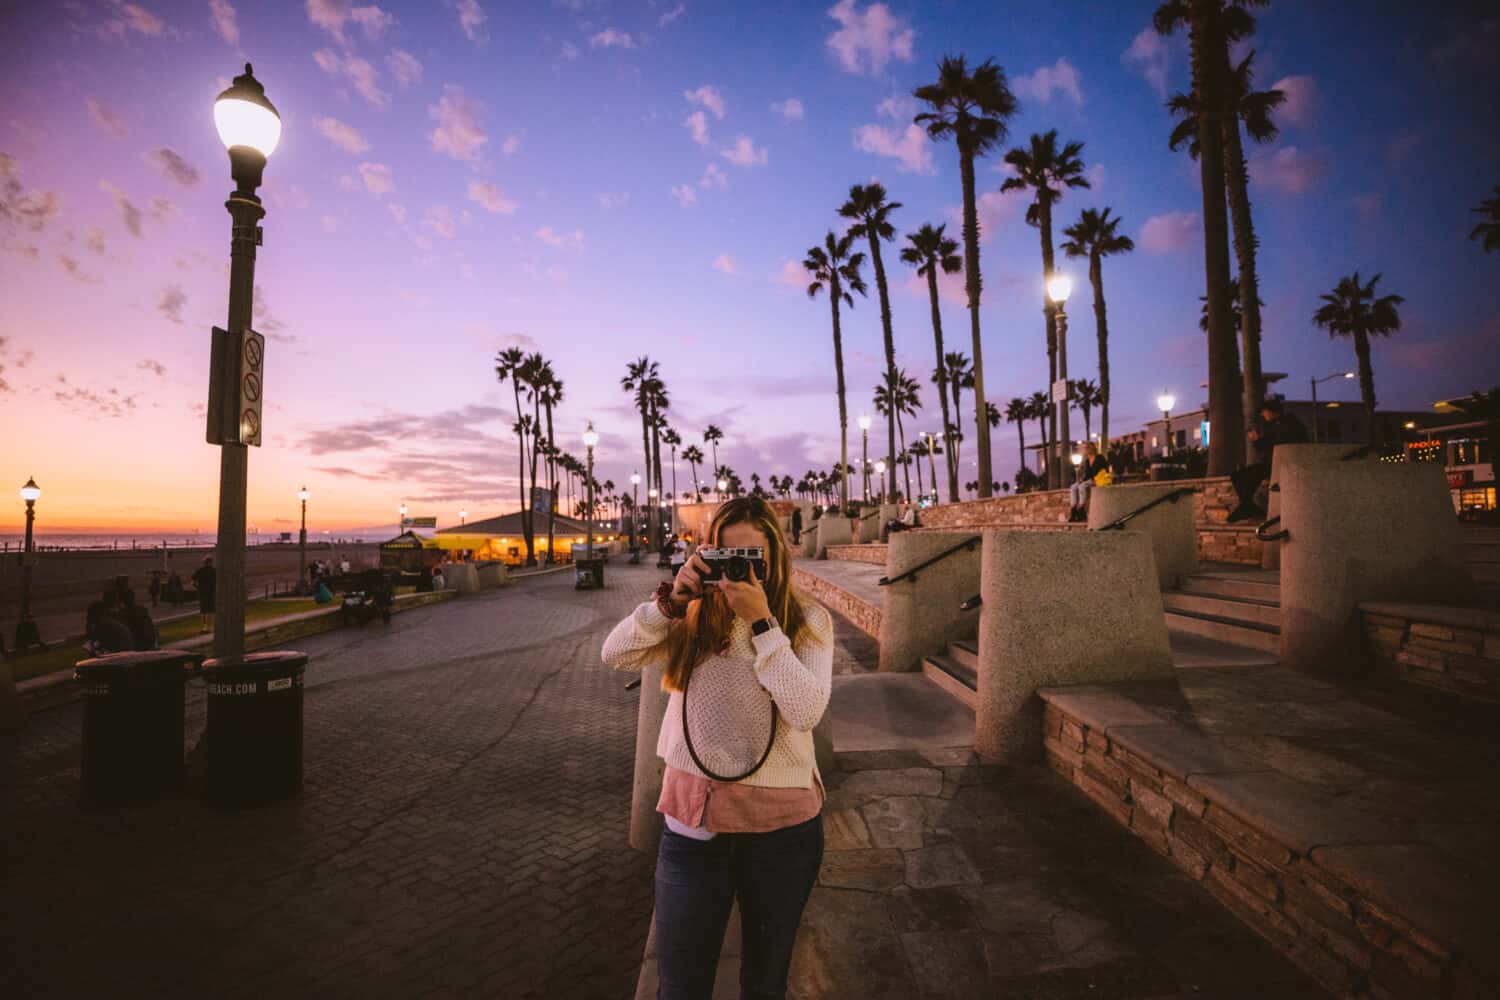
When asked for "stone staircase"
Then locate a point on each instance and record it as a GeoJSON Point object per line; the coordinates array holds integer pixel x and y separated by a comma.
{"type": "Point", "coordinates": [957, 670]}
{"type": "Point", "coordinates": [1241, 608]}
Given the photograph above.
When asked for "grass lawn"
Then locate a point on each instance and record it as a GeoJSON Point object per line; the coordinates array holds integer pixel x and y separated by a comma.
{"type": "Point", "coordinates": [61, 657]}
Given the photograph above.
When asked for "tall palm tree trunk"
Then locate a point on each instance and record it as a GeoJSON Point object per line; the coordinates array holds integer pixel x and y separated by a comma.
{"type": "Point", "coordinates": [1049, 315]}
{"type": "Point", "coordinates": [838, 367]}
{"type": "Point", "coordinates": [892, 417]}
{"type": "Point", "coordinates": [656, 517]}
{"type": "Point", "coordinates": [551, 485]}
{"type": "Point", "coordinates": [973, 286]}
{"type": "Point", "coordinates": [958, 420]}
{"type": "Point", "coordinates": [645, 406]}
{"type": "Point", "coordinates": [1366, 382]}
{"type": "Point", "coordinates": [921, 490]}
{"type": "Point", "coordinates": [1227, 442]}
{"type": "Point", "coordinates": [1237, 174]}
{"type": "Point", "coordinates": [906, 465]}
{"type": "Point", "coordinates": [942, 381]}
{"type": "Point", "coordinates": [1101, 324]}
{"type": "Point", "coordinates": [1021, 438]}
{"type": "Point", "coordinates": [521, 470]}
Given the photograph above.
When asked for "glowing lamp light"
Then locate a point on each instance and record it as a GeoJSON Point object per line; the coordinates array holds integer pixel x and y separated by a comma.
{"type": "Point", "coordinates": [651, 493]}
{"type": "Point", "coordinates": [1410, 425]}
{"type": "Point", "coordinates": [1348, 374]}
{"type": "Point", "coordinates": [1059, 287]}
{"type": "Point", "coordinates": [723, 485]}
{"type": "Point", "coordinates": [31, 492]}
{"type": "Point", "coordinates": [590, 436]}
{"type": "Point", "coordinates": [864, 422]}
{"type": "Point", "coordinates": [1165, 402]}
{"type": "Point", "coordinates": [635, 479]}
{"type": "Point", "coordinates": [302, 494]}
{"type": "Point", "coordinates": [244, 117]}
{"type": "Point", "coordinates": [880, 467]}
{"type": "Point", "coordinates": [1076, 459]}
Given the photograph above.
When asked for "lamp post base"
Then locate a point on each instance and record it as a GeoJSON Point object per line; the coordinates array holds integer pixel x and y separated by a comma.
{"type": "Point", "coordinates": [28, 636]}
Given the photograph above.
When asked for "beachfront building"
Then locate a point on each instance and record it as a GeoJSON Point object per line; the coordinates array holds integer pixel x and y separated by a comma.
{"type": "Point", "coordinates": [502, 538]}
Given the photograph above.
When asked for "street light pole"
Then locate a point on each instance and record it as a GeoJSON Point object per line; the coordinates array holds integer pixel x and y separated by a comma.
{"type": "Point", "coordinates": [250, 128]}
{"type": "Point", "coordinates": [1165, 402]}
{"type": "Point", "coordinates": [635, 505]}
{"type": "Point", "coordinates": [27, 634]}
{"type": "Point", "coordinates": [880, 475]}
{"type": "Point", "coordinates": [591, 438]}
{"type": "Point", "coordinates": [1059, 286]}
{"type": "Point", "coordinates": [932, 465]}
{"type": "Point", "coordinates": [864, 465]}
{"type": "Point", "coordinates": [302, 543]}
{"type": "Point", "coordinates": [1314, 383]}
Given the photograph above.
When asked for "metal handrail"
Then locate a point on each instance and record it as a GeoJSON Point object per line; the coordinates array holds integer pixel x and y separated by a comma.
{"type": "Point", "coordinates": [886, 581]}
{"type": "Point", "coordinates": [1173, 496]}
{"type": "Point", "coordinates": [971, 603]}
{"type": "Point", "coordinates": [1265, 534]}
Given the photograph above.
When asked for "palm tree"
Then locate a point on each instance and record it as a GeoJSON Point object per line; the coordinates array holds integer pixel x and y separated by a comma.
{"type": "Point", "coordinates": [1234, 306]}
{"type": "Point", "coordinates": [833, 266]}
{"type": "Point", "coordinates": [1085, 396]}
{"type": "Point", "coordinates": [550, 393]}
{"type": "Point", "coordinates": [897, 397]}
{"type": "Point", "coordinates": [693, 456]}
{"type": "Point", "coordinates": [711, 437]}
{"type": "Point", "coordinates": [1039, 408]}
{"type": "Point", "coordinates": [1254, 108]}
{"type": "Point", "coordinates": [871, 214]}
{"type": "Point", "coordinates": [1094, 236]}
{"type": "Point", "coordinates": [1353, 310]}
{"type": "Point", "coordinates": [1046, 170]}
{"type": "Point", "coordinates": [536, 371]}
{"type": "Point", "coordinates": [928, 250]}
{"type": "Point", "coordinates": [1018, 412]}
{"type": "Point", "coordinates": [972, 109]}
{"type": "Point", "coordinates": [1209, 24]}
{"type": "Point", "coordinates": [1489, 226]}
{"type": "Point", "coordinates": [639, 377]}
{"type": "Point", "coordinates": [960, 375]}
{"type": "Point", "coordinates": [672, 439]}
{"type": "Point", "coordinates": [508, 364]}
{"type": "Point", "coordinates": [659, 404]}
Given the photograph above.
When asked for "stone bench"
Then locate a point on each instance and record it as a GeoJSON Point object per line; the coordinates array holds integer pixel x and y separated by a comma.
{"type": "Point", "coordinates": [1357, 899]}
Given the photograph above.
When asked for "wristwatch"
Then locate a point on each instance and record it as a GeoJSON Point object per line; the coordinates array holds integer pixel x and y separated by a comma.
{"type": "Point", "coordinates": [762, 626]}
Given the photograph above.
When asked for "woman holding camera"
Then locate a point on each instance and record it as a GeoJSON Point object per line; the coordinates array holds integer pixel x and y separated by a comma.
{"type": "Point", "coordinates": [741, 795]}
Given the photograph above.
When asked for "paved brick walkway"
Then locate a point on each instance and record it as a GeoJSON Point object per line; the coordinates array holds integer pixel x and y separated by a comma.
{"type": "Point", "coordinates": [462, 830]}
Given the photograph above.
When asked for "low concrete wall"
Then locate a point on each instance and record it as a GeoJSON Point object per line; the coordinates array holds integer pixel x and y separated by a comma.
{"type": "Point", "coordinates": [1360, 531]}
{"type": "Point", "coordinates": [462, 577]}
{"type": "Point", "coordinates": [645, 822]}
{"type": "Point", "coordinates": [871, 552]}
{"type": "Point", "coordinates": [864, 616]}
{"type": "Point", "coordinates": [921, 614]}
{"type": "Point", "coordinates": [1041, 625]}
{"type": "Point", "coordinates": [1322, 454]}
{"type": "Point", "coordinates": [832, 530]}
{"type": "Point", "coordinates": [492, 575]}
{"type": "Point", "coordinates": [1169, 525]}
{"type": "Point", "coordinates": [810, 539]}
{"type": "Point", "coordinates": [1452, 649]}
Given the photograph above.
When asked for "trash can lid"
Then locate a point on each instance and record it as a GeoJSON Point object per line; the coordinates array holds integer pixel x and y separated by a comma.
{"type": "Point", "coordinates": [137, 664]}
{"type": "Point", "coordinates": [272, 662]}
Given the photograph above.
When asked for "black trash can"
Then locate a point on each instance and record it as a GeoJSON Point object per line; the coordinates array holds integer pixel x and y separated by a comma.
{"type": "Point", "coordinates": [132, 725]}
{"type": "Point", "coordinates": [254, 734]}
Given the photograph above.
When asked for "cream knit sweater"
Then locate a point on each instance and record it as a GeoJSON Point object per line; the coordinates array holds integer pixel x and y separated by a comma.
{"type": "Point", "coordinates": [730, 696]}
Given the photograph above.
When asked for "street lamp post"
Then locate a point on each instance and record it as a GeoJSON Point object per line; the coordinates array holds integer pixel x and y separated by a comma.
{"type": "Point", "coordinates": [591, 438]}
{"type": "Point", "coordinates": [635, 505]}
{"type": "Point", "coordinates": [302, 495]}
{"type": "Point", "coordinates": [463, 517]}
{"type": "Point", "coordinates": [1314, 383]}
{"type": "Point", "coordinates": [722, 484]}
{"type": "Point", "coordinates": [1164, 403]}
{"type": "Point", "coordinates": [932, 464]}
{"type": "Point", "coordinates": [401, 524]}
{"type": "Point", "coordinates": [250, 128]}
{"type": "Point", "coordinates": [1059, 287]}
{"type": "Point", "coordinates": [27, 633]}
{"type": "Point", "coordinates": [880, 475]}
{"type": "Point", "coordinates": [864, 465]}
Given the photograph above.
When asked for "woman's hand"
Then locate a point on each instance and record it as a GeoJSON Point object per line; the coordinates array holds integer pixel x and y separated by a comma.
{"type": "Point", "coordinates": [688, 586]}
{"type": "Point", "coordinates": [748, 599]}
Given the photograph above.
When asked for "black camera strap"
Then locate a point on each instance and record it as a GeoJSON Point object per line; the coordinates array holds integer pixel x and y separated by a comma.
{"type": "Point", "coordinates": [694, 753]}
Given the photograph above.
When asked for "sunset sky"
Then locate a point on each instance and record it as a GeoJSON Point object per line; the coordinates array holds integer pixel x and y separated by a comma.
{"type": "Point", "coordinates": [601, 179]}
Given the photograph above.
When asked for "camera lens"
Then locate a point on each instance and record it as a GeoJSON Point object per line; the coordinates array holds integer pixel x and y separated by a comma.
{"type": "Point", "coordinates": [737, 568]}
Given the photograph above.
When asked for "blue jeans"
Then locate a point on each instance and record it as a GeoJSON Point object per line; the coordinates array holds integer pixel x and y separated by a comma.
{"type": "Point", "coordinates": [696, 883]}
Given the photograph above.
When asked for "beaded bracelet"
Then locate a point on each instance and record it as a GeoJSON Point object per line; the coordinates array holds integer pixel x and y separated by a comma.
{"type": "Point", "coordinates": [664, 602]}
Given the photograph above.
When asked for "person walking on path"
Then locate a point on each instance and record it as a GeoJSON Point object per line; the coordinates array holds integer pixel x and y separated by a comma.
{"type": "Point", "coordinates": [1276, 428]}
{"type": "Point", "coordinates": [759, 657]}
{"type": "Point", "coordinates": [1089, 470]}
{"type": "Point", "coordinates": [205, 579]}
{"type": "Point", "coordinates": [797, 526]}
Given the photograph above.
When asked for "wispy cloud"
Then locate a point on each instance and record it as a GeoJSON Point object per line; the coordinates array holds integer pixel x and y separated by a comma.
{"type": "Point", "coordinates": [707, 97]}
{"type": "Point", "coordinates": [668, 16]}
{"type": "Point", "coordinates": [725, 264]}
{"type": "Point", "coordinates": [377, 178]}
{"type": "Point", "coordinates": [154, 367]}
{"type": "Point", "coordinates": [1150, 55]}
{"type": "Point", "coordinates": [790, 109]}
{"type": "Point", "coordinates": [171, 302]}
{"type": "Point", "coordinates": [491, 198]}
{"type": "Point", "coordinates": [88, 402]}
{"type": "Point", "coordinates": [471, 19]}
{"type": "Point", "coordinates": [1301, 104]}
{"type": "Point", "coordinates": [173, 166]}
{"type": "Point", "coordinates": [106, 118]}
{"type": "Point", "coordinates": [563, 241]}
{"type": "Point", "coordinates": [458, 133]}
{"type": "Point", "coordinates": [866, 40]}
{"type": "Point", "coordinates": [611, 38]}
{"type": "Point", "coordinates": [1169, 232]}
{"type": "Point", "coordinates": [439, 219]}
{"type": "Point", "coordinates": [346, 137]}
{"type": "Point", "coordinates": [1060, 78]}
{"type": "Point", "coordinates": [697, 125]}
{"type": "Point", "coordinates": [1288, 169]}
{"type": "Point", "coordinates": [745, 153]}
{"type": "Point", "coordinates": [221, 16]}
{"type": "Point", "coordinates": [333, 15]}
{"type": "Point", "coordinates": [361, 75]}
{"type": "Point", "coordinates": [20, 207]}
{"type": "Point", "coordinates": [123, 18]}
{"type": "Point", "coordinates": [405, 67]}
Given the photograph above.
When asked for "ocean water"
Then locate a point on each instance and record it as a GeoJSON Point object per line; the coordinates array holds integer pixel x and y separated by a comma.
{"type": "Point", "coordinates": [175, 539]}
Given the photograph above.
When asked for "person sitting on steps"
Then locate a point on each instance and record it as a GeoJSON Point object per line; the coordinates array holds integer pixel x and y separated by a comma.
{"type": "Point", "coordinates": [1276, 428]}
{"type": "Point", "coordinates": [1089, 470]}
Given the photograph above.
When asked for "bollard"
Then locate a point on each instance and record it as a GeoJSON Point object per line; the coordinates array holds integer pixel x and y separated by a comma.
{"type": "Point", "coordinates": [1169, 525]}
{"type": "Point", "coordinates": [1040, 627]}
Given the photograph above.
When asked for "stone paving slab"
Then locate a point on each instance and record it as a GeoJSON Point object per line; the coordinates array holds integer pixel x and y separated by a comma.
{"type": "Point", "coordinates": [894, 711]}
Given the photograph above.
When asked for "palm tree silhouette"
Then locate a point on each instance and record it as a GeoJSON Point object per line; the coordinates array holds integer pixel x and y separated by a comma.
{"type": "Point", "coordinates": [871, 214]}
{"type": "Point", "coordinates": [1046, 170]}
{"type": "Point", "coordinates": [1354, 310]}
{"type": "Point", "coordinates": [1039, 408]}
{"type": "Point", "coordinates": [1094, 236]}
{"type": "Point", "coordinates": [1018, 412]}
{"type": "Point", "coordinates": [1254, 108]}
{"type": "Point", "coordinates": [833, 266]}
{"type": "Point", "coordinates": [711, 437]}
{"type": "Point", "coordinates": [928, 250]}
{"type": "Point", "coordinates": [640, 376]}
{"type": "Point", "coordinates": [1489, 227]}
{"type": "Point", "coordinates": [959, 375]}
{"type": "Point", "coordinates": [1085, 396]}
{"type": "Point", "coordinates": [508, 364]}
{"type": "Point", "coordinates": [972, 109]}
{"type": "Point", "coordinates": [672, 439]}
{"type": "Point", "coordinates": [693, 456]}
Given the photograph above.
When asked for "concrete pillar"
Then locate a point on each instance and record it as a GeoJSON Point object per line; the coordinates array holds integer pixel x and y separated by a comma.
{"type": "Point", "coordinates": [461, 577]}
{"type": "Point", "coordinates": [645, 821]}
{"type": "Point", "coordinates": [833, 529]}
{"type": "Point", "coordinates": [1169, 525]}
{"type": "Point", "coordinates": [1270, 552]}
{"type": "Point", "coordinates": [1061, 608]}
{"type": "Point", "coordinates": [888, 513]}
{"type": "Point", "coordinates": [868, 526]}
{"type": "Point", "coordinates": [921, 614]}
{"type": "Point", "coordinates": [1360, 531]}
{"type": "Point", "coordinates": [810, 534]}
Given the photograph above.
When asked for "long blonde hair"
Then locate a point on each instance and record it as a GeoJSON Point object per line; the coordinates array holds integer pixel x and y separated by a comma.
{"type": "Point", "coordinates": [705, 629]}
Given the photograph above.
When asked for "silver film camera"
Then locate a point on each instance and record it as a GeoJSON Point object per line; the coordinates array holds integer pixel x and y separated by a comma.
{"type": "Point", "coordinates": [734, 564]}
